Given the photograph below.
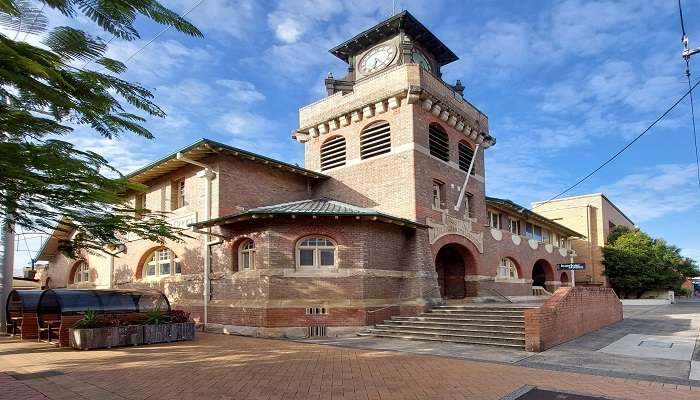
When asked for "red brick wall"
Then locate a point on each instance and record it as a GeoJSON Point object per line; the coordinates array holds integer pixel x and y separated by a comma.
{"type": "Point", "coordinates": [570, 313]}
{"type": "Point", "coordinates": [30, 327]}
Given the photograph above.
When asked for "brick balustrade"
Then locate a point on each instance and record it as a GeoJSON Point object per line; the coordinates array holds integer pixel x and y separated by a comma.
{"type": "Point", "coordinates": [568, 314]}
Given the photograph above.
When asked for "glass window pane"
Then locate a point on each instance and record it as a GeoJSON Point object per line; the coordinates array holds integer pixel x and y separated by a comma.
{"type": "Point", "coordinates": [178, 267]}
{"type": "Point", "coordinates": [327, 258]}
{"type": "Point", "coordinates": [165, 268]}
{"type": "Point", "coordinates": [151, 269]}
{"type": "Point", "coordinates": [306, 258]}
{"type": "Point", "coordinates": [245, 260]}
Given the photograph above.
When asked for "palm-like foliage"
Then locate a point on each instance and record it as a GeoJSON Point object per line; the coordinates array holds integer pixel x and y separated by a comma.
{"type": "Point", "coordinates": [45, 93]}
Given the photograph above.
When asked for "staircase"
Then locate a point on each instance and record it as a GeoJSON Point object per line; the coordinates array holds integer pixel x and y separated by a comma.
{"type": "Point", "coordinates": [493, 325]}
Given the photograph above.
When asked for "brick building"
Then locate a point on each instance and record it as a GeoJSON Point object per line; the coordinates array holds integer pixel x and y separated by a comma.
{"type": "Point", "coordinates": [595, 216]}
{"type": "Point", "coordinates": [388, 216]}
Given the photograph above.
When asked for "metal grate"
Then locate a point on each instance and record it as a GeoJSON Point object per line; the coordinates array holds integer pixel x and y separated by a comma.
{"type": "Point", "coordinates": [466, 154]}
{"type": "Point", "coordinates": [375, 140]}
{"type": "Point", "coordinates": [317, 331]}
{"type": "Point", "coordinates": [439, 142]}
{"type": "Point", "coordinates": [316, 311]}
{"type": "Point", "coordinates": [333, 153]}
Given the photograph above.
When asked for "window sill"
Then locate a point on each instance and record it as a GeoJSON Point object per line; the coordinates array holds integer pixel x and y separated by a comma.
{"type": "Point", "coordinates": [314, 272]}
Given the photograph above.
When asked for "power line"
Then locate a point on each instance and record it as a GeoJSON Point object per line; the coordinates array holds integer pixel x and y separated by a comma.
{"type": "Point", "coordinates": [163, 31]}
{"type": "Point", "coordinates": [692, 116]}
{"type": "Point", "coordinates": [686, 56]}
{"type": "Point", "coordinates": [614, 156]}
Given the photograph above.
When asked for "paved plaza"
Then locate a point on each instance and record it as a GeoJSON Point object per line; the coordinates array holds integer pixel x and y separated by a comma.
{"type": "Point", "coordinates": [231, 367]}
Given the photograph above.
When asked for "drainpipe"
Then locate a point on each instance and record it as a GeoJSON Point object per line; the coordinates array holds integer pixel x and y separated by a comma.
{"type": "Point", "coordinates": [590, 243]}
{"type": "Point", "coordinates": [466, 180]}
{"type": "Point", "coordinates": [120, 248]}
{"type": "Point", "coordinates": [207, 216]}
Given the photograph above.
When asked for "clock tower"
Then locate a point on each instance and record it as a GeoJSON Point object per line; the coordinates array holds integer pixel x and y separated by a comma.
{"type": "Point", "coordinates": [401, 39]}
{"type": "Point", "coordinates": [395, 137]}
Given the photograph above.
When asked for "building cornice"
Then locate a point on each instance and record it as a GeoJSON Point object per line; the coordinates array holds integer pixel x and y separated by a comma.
{"type": "Point", "coordinates": [401, 85]}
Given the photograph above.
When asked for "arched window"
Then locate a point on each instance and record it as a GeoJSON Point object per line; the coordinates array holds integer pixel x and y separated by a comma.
{"type": "Point", "coordinates": [246, 255]}
{"type": "Point", "coordinates": [82, 272]}
{"type": "Point", "coordinates": [375, 139]}
{"type": "Point", "coordinates": [316, 252]}
{"type": "Point", "coordinates": [162, 262]}
{"type": "Point", "coordinates": [333, 153]}
{"type": "Point", "coordinates": [438, 142]}
{"type": "Point", "coordinates": [507, 269]}
{"type": "Point", "coordinates": [466, 155]}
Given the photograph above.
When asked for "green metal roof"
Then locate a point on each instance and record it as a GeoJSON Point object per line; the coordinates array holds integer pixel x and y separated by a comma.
{"type": "Point", "coordinates": [206, 147]}
{"type": "Point", "coordinates": [314, 207]}
{"type": "Point", "coordinates": [530, 214]}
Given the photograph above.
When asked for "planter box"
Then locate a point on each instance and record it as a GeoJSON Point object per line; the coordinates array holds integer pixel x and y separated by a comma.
{"type": "Point", "coordinates": [84, 339]}
{"type": "Point", "coordinates": [168, 332]}
{"type": "Point", "coordinates": [130, 335]}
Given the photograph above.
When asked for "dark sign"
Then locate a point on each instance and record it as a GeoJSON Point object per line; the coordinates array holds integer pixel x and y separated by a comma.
{"type": "Point", "coordinates": [571, 266]}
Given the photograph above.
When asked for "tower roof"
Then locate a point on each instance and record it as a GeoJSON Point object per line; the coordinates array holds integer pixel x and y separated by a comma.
{"type": "Point", "coordinates": [390, 27]}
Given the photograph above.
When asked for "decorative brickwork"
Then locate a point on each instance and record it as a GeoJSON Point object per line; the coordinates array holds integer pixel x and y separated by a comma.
{"type": "Point", "coordinates": [570, 313]}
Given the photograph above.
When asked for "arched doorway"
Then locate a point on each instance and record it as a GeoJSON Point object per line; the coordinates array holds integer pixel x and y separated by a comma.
{"type": "Point", "coordinates": [564, 278]}
{"type": "Point", "coordinates": [451, 271]}
{"type": "Point", "coordinates": [539, 276]}
{"type": "Point", "coordinates": [541, 273]}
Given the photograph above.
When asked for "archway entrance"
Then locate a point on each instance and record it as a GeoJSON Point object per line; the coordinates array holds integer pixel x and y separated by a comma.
{"type": "Point", "coordinates": [539, 276]}
{"type": "Point", "coordinates": [451, 270]}
{"type": "Point", "coordinates": [564, 278]}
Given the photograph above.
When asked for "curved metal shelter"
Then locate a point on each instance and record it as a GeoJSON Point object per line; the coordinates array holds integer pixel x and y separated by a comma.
{"type": "Point", "coordinates": [58, 302]}
{"type": "Point", "coordinates": [22, 301]}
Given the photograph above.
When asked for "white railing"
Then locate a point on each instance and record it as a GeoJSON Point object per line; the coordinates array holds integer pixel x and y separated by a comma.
{"type": "Point", "coordinates": [540, 291]}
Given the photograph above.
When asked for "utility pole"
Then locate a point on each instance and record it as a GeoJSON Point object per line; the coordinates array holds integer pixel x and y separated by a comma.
{"type": "Point", "coordinates": [7, 261]}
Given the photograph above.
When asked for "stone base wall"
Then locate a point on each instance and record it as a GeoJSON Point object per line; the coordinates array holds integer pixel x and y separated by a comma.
{"type": "Point", "coordinates": [568, 314]}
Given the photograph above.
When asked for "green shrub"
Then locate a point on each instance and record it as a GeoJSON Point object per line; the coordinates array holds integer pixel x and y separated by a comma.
{"type": "Point", "coordinates": [90, 321]}
{"type": "Point", "coordinates": [156, 317]}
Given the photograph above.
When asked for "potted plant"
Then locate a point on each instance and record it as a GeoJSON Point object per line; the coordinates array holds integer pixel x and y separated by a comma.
{"type": "Point", "coordinates": [92, 332]}
{"type": "Point", "coordinates": [163, 327]}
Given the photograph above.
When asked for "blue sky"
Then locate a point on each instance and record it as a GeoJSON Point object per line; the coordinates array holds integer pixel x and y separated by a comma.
{"type": "Point", "coordinates": [565, 84]}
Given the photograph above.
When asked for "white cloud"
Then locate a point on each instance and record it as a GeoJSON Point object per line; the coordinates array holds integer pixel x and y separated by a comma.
{"type": "Point", "coordinates": [244, 125]}
{"type": "Point", "coordinates": [160, 59]}
{"type": "Point", "coordinates": [288, 30]}
{"type": "Point", "coordinates": [125, 154]}
{"type": "Point", "coordinates": [234, 18]}
{"type": "Point", "coordinates": [241, 91]}
{"type": "Point", "coordinates": [656, 191]}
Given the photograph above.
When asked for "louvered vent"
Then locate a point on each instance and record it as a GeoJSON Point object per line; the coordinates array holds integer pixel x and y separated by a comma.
{"type": "Point", "coordinates": [375, 140]}
{"type": "Point", "coordinates": [466, 154]}
{"type": "Point", "coordinates": [438, 142]}
{"type": "Point", "coordinates": [333, 153]}
{"type": "Point", "coordinates": [317, 331]}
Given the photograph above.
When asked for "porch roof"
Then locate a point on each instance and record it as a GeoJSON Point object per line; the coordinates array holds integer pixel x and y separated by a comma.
{"type": "Point", "coordinates": [314, 207]}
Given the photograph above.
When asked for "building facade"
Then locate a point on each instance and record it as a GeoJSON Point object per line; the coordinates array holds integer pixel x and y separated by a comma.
{"type": "Point", "coordinates": [595, 216]}
{"type": "Point", "coordinates": [388, 216]}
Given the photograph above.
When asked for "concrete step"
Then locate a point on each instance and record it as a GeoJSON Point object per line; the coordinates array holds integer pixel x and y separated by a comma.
{"type": "Point", "coordinates": [433, 329]}
{"type": "Point", "coordinates": [460, 325]}
{"type": "Point", "coordinates": [466, 339]}
{"type": "Point", "coordinates": [442, 318]}
{"type": "Point", "coordinates": [507, 317]}
{"type": "Point", "coordinates": [485, 308]}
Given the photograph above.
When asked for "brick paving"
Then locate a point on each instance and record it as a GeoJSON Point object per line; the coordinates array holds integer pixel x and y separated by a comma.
{"type": "Point", "coordinates": [11, 388]}
{"type": "Point", "coordinates": [230, 367]}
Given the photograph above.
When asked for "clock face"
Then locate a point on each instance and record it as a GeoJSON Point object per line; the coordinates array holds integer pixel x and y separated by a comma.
{"type": "Point", "coordinates": [420, 59]}
{"type": "Point", "coordinates": [377, 58]}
